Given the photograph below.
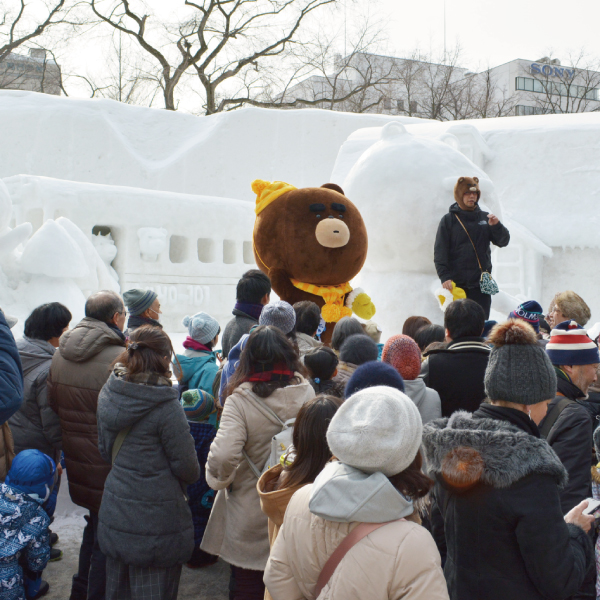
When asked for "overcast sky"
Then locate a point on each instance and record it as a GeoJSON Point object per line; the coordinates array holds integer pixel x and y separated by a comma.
{"type": "Point", "coordinates": [495, 31]}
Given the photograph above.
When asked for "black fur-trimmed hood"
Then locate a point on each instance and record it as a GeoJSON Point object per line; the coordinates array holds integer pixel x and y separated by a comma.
{"type": "Point", "coordinates": [463, 450]}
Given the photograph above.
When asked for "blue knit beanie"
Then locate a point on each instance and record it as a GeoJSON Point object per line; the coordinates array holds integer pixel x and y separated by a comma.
{"type": "Point", "coordinates": [372, 374]}
{"type": "Point", "coordinates": [137, 301]}
{"type": "Point", "coordinates": [198, 405]}
{"type": "Point", "coordinates": [530, 312]}
{"type": "Point", "coordinates": [279, 314]}
{"type": "Point", "coordinates": [569, 344]}
{"type": "Point", "coordinates": [32, 472]}
{"type": "Point", "coordinates": [202, 327]}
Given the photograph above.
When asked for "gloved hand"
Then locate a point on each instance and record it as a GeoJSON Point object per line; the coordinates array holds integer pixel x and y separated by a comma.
{"type": "Point", "coordinates": [363, 306]}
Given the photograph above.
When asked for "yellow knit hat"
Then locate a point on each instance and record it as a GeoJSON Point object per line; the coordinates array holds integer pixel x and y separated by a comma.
{"type": "Point", "coordinates": [267, 192]}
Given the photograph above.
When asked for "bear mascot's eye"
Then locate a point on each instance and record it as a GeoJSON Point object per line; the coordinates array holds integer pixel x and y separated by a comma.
{"type": "Point", "coordinates": [318, 216]}
{"type": "Point", "coordinates": [341, 216]}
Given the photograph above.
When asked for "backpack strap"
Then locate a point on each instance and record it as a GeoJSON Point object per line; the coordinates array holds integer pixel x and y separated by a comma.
{"type": "Point", "coordinates": [358, 533]}
{"type": "Point", "coordinates": [552, 417]}
{"type": "Point", "coordinates": [119, 442]}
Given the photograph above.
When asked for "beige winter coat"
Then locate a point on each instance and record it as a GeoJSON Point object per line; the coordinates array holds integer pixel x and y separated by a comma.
{"type": "Point", "coordinates": [237, 530]}
{"type": "Point", "coordinates": [399, 560]}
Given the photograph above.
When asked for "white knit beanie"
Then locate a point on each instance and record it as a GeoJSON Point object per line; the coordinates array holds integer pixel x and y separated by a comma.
{"type": "Point", "coordinates": [376, 429]}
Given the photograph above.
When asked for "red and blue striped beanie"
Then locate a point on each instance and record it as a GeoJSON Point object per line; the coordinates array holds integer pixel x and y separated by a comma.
{"type": "Point", "coordinates": [569, 344]}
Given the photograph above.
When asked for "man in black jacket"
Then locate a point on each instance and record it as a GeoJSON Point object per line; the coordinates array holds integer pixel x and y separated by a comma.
{"type": "Point", "coordinates": [568, 425]}
{"type": "Point", "coordinates": [456, 260]}
{"type": "Point", "coordinates": [456, 372]}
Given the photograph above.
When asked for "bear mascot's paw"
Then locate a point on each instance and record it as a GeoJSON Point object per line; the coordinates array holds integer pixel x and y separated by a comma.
{"type": "Point", "coordinates": [312, 242]}
{"type": "Point", "coordinates": [361, 304]}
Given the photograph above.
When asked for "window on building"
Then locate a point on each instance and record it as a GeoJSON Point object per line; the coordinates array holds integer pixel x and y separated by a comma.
{"type": "Point", "coordinates": [400, 105]}
{"type": "Point", "coordinates": [414, 106]}
{"type": "Point", "coordinates": [387, 104]}
{"type": "Point", "coordinates": [525, 111]}
{"type": "Point", "coordinates": [556, 88]}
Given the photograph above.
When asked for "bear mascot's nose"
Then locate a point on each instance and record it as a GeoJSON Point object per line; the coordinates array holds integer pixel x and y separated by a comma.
{"type": "Point", "coordinates": [332, 233]}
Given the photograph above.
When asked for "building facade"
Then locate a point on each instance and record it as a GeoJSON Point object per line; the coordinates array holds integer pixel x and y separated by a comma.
{"type": "Point", "coordinates": [33, 72]}
{"type": "Point", "coordinates": [388, 85]}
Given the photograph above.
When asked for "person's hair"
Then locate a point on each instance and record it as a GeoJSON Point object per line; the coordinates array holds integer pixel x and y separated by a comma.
{"type": "Point", "coordinates": [359, 349]}
{"type": "Point", "coordinates": [267, 345]}
{"type": "Point", "coordinates": [429, 334]}
{"type": "Point", "coordinates": [310, 439]}
{"type": "Point", "coordinates": [321, 363]}
{"type": "Point", "coordinates": [47, 321]}
{"type": "Point", "coordinates": [433, 346]}
{"type": "Point", "coordinates": [149, 350]}
{"type": "Point", "coordinates": [308, 317]}
{"type": "Point", "coordinates": [413, 324]}
{"type": "Point", "coordinates": [544, 326]}
{"type": "Point", "coordinates": [252, 287]}
{"type": "Point", "coordinates": [412, 482]}
{"type": "Point", "coordinates": [343, 329]}
{"type": "Point", "coordinates": [464, 318]}
{"type": "Point", "coordinates": [103, 305]}
{"type": "Point", "coordinates": [211, 344]}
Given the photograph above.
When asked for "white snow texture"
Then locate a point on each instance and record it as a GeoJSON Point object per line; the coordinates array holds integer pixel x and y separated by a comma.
{"type": "Point", "coordinates": [99, 195]}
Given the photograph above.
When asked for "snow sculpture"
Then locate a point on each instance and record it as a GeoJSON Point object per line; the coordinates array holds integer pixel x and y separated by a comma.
{"type": "Point", "coordinates": [106, 249]}
{"type": "Point", "coordinates": [153, 241]}
{"type": "Point", "coordinates": [403, 185]}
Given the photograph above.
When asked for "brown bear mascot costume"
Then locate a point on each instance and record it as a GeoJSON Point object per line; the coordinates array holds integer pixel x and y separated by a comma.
{"type": "Point", "coordinates": [311, 242]}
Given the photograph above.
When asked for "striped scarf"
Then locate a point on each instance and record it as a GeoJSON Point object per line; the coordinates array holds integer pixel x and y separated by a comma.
{"type": "Point", "coordinates": [270, 372]}
{"type": "Point", "coordinates": [334, 296]}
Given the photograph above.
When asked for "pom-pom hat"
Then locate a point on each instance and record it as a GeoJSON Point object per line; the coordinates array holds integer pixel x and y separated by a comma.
{"type": "Point", "coordinates": [378, 429]}
{"type": "Point", "coordinates": [198, 405]}
{"type": "Point", "coordinates": [202, 327]}
{"type": "Point", "coordinates": [518, 369]}
{"type": "Point", "coordinates": [569, 344]}
{"type": "Point", "coordinates": [267, 192]}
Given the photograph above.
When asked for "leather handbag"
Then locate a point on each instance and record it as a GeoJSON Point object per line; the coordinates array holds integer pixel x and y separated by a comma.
{"type": "Point", "coordinates": [487, 284]}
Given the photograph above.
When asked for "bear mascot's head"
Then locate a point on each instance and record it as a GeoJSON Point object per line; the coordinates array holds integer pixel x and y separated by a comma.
{"type": "Point", "coordinates": [311, 242]}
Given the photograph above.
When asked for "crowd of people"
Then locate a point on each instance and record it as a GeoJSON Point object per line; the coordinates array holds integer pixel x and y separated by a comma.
{"type": "Point", "coordinates": [452, 461]}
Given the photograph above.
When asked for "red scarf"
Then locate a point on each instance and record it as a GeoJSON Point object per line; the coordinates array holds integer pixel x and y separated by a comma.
{"type": "Point", "coordinates": [270, 372]}
{"type": "Point", "coordinates": [192, 344]}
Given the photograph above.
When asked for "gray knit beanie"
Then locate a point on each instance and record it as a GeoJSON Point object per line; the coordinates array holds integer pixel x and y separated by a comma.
{"type": "Point", "coordinates": [519, 369]}
{"type": "Point", "coordinates": [279, 314]}
{"type": "Point", "coordinates": [376, 429]}
{"type": "Point", "coordinates": [137, 301]}
{"type": "Point", "coordinates": [202, 327]}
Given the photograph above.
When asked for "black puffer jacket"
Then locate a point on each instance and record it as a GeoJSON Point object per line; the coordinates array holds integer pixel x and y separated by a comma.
{"type": "Point", "coordinates": [145, 519]}
{"type": "Point", "coordinates": [571, 439]}
{"type": "Point", "coordinates": [503, 532]}
{"type": "Point", "coordinates": [456, 373]}
{"type": "Point", "coordinates": [454, 256]}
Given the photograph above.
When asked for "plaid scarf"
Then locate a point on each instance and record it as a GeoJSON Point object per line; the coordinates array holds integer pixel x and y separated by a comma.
{"type": "Point", "coordinates": [153, 379]}
{"type": "Point", "coordinates": [270, 372]}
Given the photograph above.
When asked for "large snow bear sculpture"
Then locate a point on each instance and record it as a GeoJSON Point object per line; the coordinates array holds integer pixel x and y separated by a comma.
{"type": "Point", "coordinates": [403, 185]}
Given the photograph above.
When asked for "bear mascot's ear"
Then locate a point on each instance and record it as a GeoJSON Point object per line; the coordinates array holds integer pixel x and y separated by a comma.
{"type": "Point", "coordinates": [461, 179]}
{"type": "Point", "coordinates": [476, 179]}
{"type": "Point", "coordinates": [333, 186]}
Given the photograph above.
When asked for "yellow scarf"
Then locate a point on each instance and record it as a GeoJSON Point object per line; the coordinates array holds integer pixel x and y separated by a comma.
{"type": "Point", "coordinates": [334, 308]}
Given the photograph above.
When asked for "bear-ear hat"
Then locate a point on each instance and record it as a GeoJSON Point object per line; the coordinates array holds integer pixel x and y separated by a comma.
{"type": "Point", "coordinates": [267, 192]}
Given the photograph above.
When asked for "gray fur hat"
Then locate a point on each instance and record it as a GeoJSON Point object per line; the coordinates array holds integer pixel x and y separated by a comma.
{"type": "Point", "coordinates": [519, 369]}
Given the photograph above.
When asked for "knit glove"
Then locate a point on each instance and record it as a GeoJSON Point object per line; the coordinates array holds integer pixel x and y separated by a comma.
{"type": "Point", "coordinates": [361, 304]}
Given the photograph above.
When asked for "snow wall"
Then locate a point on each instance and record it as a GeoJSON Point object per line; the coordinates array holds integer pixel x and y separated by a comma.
{"type": "Point", "coordinates": [163, 199]}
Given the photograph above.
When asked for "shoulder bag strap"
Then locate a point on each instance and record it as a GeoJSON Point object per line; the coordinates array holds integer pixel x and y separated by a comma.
{"type": "Point", "coordinates": [358, 533]}
{"type": "Point", "coordinates": [553, 415]}
{"type": "Point", "coordinates": [119, 442]}
{"type": "Point", "coordinates": [472, 244]}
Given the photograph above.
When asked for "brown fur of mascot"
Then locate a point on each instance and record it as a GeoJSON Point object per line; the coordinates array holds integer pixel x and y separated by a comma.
{"type": "Point", "coordinates": [311, 242]}
{"type": "Point", "coordinates": [464, 185]}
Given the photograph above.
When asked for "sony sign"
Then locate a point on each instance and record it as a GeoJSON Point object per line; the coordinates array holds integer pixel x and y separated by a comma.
{"type": "Point", "coordinates": [551, 71]}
